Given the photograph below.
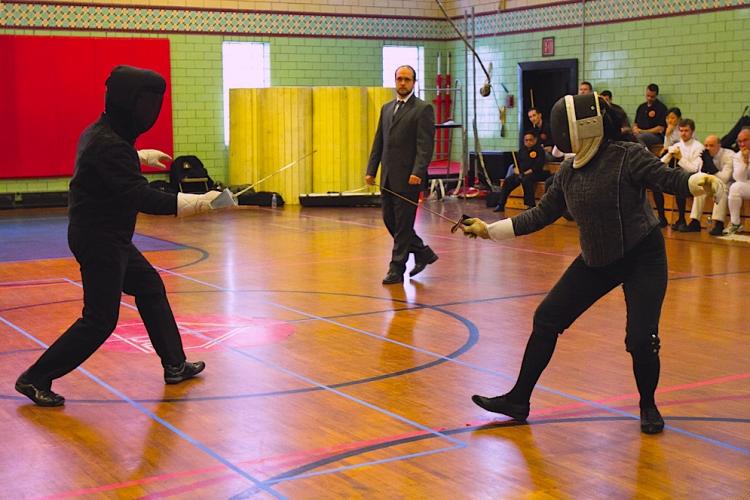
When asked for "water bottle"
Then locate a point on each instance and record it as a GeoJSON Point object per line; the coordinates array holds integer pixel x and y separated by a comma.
{"type": "Point", "coordinates": [274, 201]}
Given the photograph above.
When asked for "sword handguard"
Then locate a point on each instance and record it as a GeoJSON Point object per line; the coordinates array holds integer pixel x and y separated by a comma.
{"type": "Point", "coordinates": [463, 220]}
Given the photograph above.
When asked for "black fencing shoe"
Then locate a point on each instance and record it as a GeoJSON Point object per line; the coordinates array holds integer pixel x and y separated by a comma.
{"type": "Point", "coordinates": [651, 421]}
{"type": "Point", "coordinates": [501, 404]}
{"type": "Point", "coordinates": [180, 373]}
{"type": "Point", "coordinates": [41, 397]}
{"type": "Point", "coordinates": [420, 263]}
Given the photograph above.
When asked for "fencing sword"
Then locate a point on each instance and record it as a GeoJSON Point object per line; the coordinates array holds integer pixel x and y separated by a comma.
{"type": "Point", "coordinates": [455, 223]}
{"type": "Point", "coordinates": [288, 165]}
{"type": "Point", "coordinates": [228, 199]}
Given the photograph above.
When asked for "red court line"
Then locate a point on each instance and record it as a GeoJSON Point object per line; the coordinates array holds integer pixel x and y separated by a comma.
{"type": "Point", "coordinates": [28, 283]}
{"type": "Point", "coordinates": [305, 456]}
{"type": "Point", "coordinates": [634, 395]}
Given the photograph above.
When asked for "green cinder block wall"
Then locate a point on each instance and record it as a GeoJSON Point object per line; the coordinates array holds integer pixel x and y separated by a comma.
{"type": "Point", "coordinates": [699, 60]}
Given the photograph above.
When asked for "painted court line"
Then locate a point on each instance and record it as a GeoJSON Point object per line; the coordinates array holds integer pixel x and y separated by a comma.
{"type": "Point", "coordinates": [456, 443]}
{"type": "Point", "coordinates": [202, 447]}
{"type": "Point", "coordinates": [475, 367]}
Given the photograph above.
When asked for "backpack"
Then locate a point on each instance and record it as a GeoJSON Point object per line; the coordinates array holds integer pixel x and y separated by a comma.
{"type": "Point", "coordinates": [188, 175]}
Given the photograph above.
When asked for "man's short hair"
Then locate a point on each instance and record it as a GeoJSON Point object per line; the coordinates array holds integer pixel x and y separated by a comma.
{"type": "Point", "coordinates": [653, 88]}
{"type": "Point", "coordinates": [606, 93]}
{"type": "Point", "coordinates": [586, 83]}
{"type": "Point", "coordinates": [687, 122]}
{"type": "Point", "coordinates": [531, 132]}
{"type": "Point", "coordinates": [413, 71]}
{"type": "Point", "coordinates": [532, 108]}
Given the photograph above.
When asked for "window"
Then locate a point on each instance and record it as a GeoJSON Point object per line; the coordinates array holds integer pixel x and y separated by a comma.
{"type": "Point", "coordinates": [395, 56]}
{"type": "Point", "coordinates": [245, 65]}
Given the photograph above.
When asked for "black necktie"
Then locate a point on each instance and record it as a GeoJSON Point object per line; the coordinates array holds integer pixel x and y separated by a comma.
{"type": "Point", "coordinates": [399, 105]}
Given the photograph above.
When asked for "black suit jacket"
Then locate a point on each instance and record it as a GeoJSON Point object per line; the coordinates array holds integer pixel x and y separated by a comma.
{"type": "Point", "coordinates": [403, 144]}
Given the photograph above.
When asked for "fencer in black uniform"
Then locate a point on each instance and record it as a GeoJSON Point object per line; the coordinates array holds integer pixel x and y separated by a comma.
{"type": "Point", "coordinates": [106, 193]}
{"type": "Point", "coordinates": [621, 245]}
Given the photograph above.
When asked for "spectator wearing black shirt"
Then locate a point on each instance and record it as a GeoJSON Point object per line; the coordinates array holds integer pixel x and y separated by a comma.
{"type": "Point", "coordinates": [530, 171]}
{"type": "Point", "coordinates": [650, 118]}
{"type": "Point", "coordinates": [541, 129]}
{"type": "Point", "coordinates": [625, 126]}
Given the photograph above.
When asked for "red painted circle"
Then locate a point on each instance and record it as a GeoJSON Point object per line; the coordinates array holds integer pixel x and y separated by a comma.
{"type": "Point", "coordinates": [203, 333]}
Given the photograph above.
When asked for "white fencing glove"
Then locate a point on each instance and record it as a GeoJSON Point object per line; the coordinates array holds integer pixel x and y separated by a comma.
{"type": "Point", "coordinates": [192, 204]}
{"type": "Point", "coordinates": [153, 158]}
{"type": "Point", "coordinates": [497, 231]}
{"type": "Point", "coordinates": [701, 183]}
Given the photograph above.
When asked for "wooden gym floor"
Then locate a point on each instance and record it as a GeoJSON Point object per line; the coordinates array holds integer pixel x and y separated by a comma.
{"type": "Point", "coordinates": [323, 383]}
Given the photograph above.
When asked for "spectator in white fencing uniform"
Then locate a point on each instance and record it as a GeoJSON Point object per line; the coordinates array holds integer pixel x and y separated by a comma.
{"type": "Point", "coordinates": [741, 188]}
{"type": "Point", "coordinates": [722, 160]}
{"type": "Point", "coordinates": [686, 155]}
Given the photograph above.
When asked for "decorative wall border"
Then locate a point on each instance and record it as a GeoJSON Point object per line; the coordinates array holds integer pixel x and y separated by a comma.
{"type": "Point", "coordinates": [18, 14]}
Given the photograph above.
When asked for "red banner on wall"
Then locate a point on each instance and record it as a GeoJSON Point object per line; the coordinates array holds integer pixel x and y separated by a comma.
{"type": "Point", "coordinates": [52, 88]}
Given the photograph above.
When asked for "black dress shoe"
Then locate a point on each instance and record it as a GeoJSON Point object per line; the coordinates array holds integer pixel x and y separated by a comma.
{"type": "Point", "coordinates": [180, 373]}
{"type": "Point", "coordinates": [693, 227]}
{"type": "Point", "coordinates": [499, 208]}
{"type": "Point", "coordinates": [392, 278]}
{"type": "Point", "coordinates": [41, 397]}
{"type": "Point", "coordinates": [718, 229]}
{"type": "Point", "coordinates": [677, 225]}
{"type": "Point", "coordinates": [663, 221]}
{"type": "Point", "coordinates": [651, 421]}
{"type": "Point", "coordinates": [420, 264]}
{"type": "Point", "coordinates": [500, 404]}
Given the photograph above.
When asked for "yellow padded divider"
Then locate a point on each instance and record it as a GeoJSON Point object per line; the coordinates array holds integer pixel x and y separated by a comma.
{"type": "Point", "coordinates": [269, 128]}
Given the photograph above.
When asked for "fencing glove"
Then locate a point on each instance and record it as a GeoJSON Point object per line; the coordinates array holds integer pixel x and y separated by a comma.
{"type": "Point", "coordinates": [701, 183]}
{"type": "Point", "coordinates": [153, 158]}
{"type": "Point", "coordinates": [497, 231]}
{"type": "Point", "coordinates": [192, 204]}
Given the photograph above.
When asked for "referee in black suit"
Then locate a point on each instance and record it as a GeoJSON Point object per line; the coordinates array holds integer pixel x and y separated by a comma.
{"type": "Point", "coordinates": [403, 145]}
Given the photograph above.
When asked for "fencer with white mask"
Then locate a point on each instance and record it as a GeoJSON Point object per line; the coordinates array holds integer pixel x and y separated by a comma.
{"type": "Point", "coordinates": [603, 187]}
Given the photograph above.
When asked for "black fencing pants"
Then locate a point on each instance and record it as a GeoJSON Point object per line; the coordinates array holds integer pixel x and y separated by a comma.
{"type": "Point", "coordinates": [108, 268]}
{"type": "Point", "coordinates": [642, 272]}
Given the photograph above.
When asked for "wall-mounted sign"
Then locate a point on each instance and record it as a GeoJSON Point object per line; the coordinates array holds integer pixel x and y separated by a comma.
{"type": "Point", "coordinates": [548, 46]}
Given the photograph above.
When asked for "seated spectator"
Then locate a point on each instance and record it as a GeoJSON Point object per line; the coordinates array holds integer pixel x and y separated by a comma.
{"type": "Point", "coordinates": [542, 131]}
{"type": "Point", "coordinates": [671, 137]}
{"type": "Point", "coordinates": [672, 133]}
{"type": "Point", "coordinates": [607, 96]}
{"type": "Point", "coordinates": [530, 170]}
{"type": "Point", "coordinates": [686, 155]}
{"type": "Point", "coordinates": [585, 88]}
{"type": "Point", "coordinates": [650, 118]}
{"type": "Point", "coordinates": [717, 161]}
{"type": "Point", "coordinates": [740, 190]}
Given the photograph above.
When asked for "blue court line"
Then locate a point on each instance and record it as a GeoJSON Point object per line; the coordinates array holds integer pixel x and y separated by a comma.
{"type": "Point", "coordinates": [477, 368]}
{"type": "Point", "coordinates": [309, 381]}
{"type": "Point", "coordinates": [155, 417]}
{"type": "Point", "coordinates": [302, 470]}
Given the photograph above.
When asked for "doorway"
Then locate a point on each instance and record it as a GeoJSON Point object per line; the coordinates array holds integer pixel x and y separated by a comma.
{"type": "Point", "coordinates": [542, 83]}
